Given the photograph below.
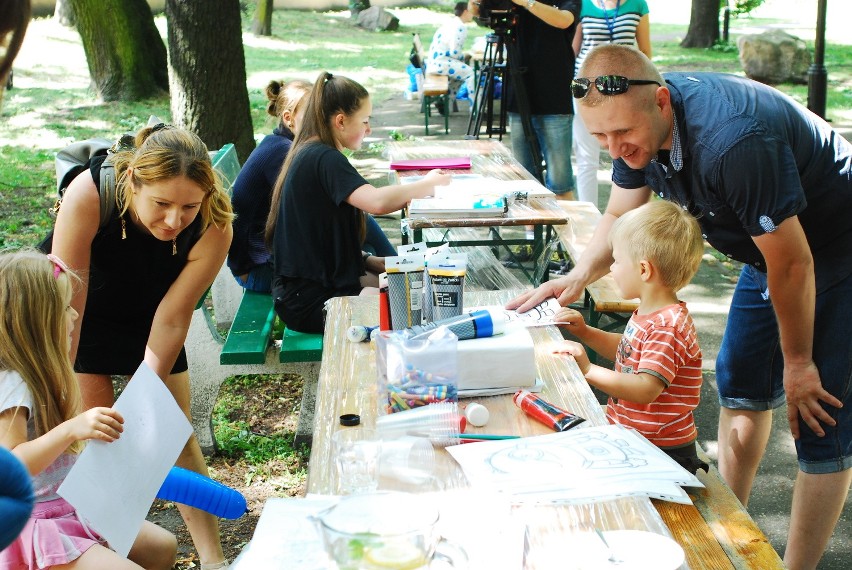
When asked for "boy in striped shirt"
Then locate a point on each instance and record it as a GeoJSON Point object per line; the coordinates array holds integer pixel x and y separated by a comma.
{"type": "Point", "coordinates": [656, 383]}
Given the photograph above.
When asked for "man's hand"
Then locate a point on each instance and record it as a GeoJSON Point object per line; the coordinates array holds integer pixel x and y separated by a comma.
{"type": "Point", "coordinates": [804, 393]}
{"type": "Point", "coordinates": [566, 290]}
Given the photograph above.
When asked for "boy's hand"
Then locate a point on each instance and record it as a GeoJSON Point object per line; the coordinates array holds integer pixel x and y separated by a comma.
{"type": "Point", "coordinates": [572, 319]}
{"type": "Point", "coordinates": [104, 424]}
{"type": "Point", "coordinates": [578, 351]}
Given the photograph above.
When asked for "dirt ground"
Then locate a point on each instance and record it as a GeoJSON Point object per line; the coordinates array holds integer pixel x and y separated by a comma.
{"type": "Point", "coordinates": [268, 409]}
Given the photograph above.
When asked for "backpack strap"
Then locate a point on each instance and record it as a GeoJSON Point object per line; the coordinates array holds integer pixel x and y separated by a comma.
{"type": "Point", "coordinates": [108, 193]}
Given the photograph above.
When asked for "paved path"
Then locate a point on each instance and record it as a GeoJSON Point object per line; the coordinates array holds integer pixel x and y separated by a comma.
{"type": "Point", "coordinates": [708, 297]}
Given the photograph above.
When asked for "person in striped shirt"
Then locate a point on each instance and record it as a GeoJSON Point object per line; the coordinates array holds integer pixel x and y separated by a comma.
{"type": "Point", "coordinates": [603, 22]}
{"type": "Point", "coordinates": [656, 383]}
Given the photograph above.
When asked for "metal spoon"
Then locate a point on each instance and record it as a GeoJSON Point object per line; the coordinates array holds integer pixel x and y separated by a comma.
{"type": "Point", "coordinates": [613, 559]}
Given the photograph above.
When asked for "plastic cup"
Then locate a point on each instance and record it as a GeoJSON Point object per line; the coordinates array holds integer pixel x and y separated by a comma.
{"type": "Point", "coordinates": [407, 459]}
{"type": "Point", "coordinates": [439, 423]}
{"type": "Point", "coordinates": [357, 452]}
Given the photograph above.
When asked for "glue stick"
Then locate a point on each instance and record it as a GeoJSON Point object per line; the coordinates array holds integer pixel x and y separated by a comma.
{"type": "Point", "coordinates": [359, 333]}
{"type": "Point", "coordinates": [545, 412]}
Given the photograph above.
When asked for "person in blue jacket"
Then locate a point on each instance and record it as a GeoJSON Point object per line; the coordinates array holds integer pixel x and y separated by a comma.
{"type": "Point", "coordinates": [249, 259]}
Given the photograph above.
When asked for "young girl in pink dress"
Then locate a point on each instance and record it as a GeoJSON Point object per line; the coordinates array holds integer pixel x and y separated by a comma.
{"type": "Point", "coordinates": [41, 423]}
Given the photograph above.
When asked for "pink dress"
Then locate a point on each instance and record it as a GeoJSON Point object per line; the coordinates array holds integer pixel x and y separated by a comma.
{"type": "Point", "coordinates": [54, 534]}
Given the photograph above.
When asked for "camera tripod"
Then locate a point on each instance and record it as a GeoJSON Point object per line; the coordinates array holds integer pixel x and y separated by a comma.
{"type": "Point", "coordinates": [500, 61]}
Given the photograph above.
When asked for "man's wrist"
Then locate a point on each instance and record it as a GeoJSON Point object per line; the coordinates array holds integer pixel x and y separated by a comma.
{"type": "Point", "coordinates": [530, 4]}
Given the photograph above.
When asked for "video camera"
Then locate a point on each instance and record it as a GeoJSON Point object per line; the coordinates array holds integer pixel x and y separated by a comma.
{"type": "Point", "coordinates": [500, 15]}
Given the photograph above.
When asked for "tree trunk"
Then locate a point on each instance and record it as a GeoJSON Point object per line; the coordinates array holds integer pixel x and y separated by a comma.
{"type": "Point", "coordinates": [703, 29]}
{"type": "Point", "coordinates": [207, 73]}
{"type": "Point", "coordinates": [126, 55]}
{"type": "Point", "coordinates": [63, 13]}
{"type": "Point", "coordinates": [262, 23]}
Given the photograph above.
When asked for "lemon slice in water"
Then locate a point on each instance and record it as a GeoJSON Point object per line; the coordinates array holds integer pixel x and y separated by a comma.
{"type": "Point", "coordinates": [396, 555]}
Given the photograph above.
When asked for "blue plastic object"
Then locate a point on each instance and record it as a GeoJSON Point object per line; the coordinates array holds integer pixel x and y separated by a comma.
{"type": "Point", "coordinates": [16, 497]}
{"type": "Point", "coordinates": [196, 490]}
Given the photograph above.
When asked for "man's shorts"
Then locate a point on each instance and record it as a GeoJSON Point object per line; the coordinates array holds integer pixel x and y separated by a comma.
{"type": "Point", "coordinates": [750, 365]}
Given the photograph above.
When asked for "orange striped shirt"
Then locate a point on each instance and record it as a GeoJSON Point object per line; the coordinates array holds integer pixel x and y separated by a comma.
{"type": "Point", "coordinates": [665, 345]}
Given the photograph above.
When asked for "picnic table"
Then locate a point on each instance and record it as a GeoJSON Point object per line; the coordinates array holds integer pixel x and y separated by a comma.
{"type": "Point", "coordinates": [534, 206]}
{"type": "Point", "coordinates": [715, 532]}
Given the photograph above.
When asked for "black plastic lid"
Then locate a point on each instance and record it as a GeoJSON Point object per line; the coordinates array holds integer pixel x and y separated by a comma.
{"type": "Point", "coordinates": [350, 420]}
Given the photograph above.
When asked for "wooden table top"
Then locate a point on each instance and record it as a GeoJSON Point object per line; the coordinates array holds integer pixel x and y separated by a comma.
{"type": "Point", "coordinates": [489, 158]}
{"type": "Point", "coordinates": [715, 533]}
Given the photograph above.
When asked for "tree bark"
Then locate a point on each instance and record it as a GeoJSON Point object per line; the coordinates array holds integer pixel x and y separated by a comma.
{"type": "Point", "coordinates": [262, 23]}
{"type": "Point", "coordinates": [63, 13]}
{"type": "Point", "coordinates": [124, 50]}
{"type": "Point", "coordinates": [703, 29]}
{"type": "Point", "coordinates": [207, 73]}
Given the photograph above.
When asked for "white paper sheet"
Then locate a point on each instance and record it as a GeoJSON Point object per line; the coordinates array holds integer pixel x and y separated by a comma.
{"type": "Point", "coordinates": [112, 485]}
{"type": "Point", "coordinates": [582, 465]}
{"type": "Point", "coordinates": [539, 316]}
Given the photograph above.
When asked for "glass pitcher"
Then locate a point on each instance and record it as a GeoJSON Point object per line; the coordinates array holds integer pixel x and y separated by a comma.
{"type": "Point", "coordinates": [385, 530]}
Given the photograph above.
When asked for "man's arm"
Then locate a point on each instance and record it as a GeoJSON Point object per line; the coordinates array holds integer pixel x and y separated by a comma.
{"type": "Point", "coordinates": [548, 14]}
{"type": "Point", "coordinates": [595, 261]}
{"type": "Point", "coordinates": [792, 289]}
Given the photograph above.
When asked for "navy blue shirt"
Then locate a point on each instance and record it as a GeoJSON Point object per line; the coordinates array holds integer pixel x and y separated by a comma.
{"type": "Point", "coordinates": [753, 157]}
{"type": "Point", "coordinates": [251, 199]}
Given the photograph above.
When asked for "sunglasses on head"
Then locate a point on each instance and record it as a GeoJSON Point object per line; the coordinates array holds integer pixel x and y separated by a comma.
{"type": "Point", "coordinates": [606, 85]}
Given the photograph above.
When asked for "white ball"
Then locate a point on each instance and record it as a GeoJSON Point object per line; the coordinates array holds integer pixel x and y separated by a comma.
{"type": "Point", "coordinates": [476, 414]}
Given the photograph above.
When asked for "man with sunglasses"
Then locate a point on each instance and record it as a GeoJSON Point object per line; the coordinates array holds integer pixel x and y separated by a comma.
{"type": "Point", "coordinates": [771, 186]}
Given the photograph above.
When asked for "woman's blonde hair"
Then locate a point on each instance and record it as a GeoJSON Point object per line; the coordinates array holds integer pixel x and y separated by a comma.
{"type": "Point", "coordinates": [34, 296]}
{"type": "Point", "coordinates": [330, 95]}
{"type": "Point", "coordinates": [666, 235]}
{"type": "Point", "coordinates": [164, 152]}
{"type": "Point", "coordinates": [285, 96]}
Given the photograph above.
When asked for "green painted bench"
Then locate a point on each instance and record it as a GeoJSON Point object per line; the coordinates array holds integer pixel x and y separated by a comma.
{"type": "Point", "coordinates": [249, 347]}
{"type": "Point", "coordinates": [251, 335]}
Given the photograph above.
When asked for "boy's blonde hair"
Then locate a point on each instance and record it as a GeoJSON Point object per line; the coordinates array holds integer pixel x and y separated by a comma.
{"type": "Point", "coordinates": [666, 235]}
{"type": "Point", "coordinates": [34, 342]}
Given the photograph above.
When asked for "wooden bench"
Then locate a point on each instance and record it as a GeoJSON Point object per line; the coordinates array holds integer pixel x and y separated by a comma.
{"type": "Point", "coordinates": [249, 347]}
{"type": "Point", "coordinates": [435, 88]}
{"type": "Point", "coordinates": [602, 297]}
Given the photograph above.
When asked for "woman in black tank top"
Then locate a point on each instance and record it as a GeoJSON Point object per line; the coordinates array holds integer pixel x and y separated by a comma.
{"type": "Point", "coordinates": [143, 273]}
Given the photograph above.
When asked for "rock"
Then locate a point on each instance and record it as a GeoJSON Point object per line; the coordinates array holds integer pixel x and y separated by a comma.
{"type": "Point", "coordinates": [774, 57]}
{"type": "Point", "coordinates": [377, 19]}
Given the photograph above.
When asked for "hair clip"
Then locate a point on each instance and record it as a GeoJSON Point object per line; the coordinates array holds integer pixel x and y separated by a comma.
{"type": "Point", "coordinates": [329, 78]}
{"type": "Point", "coordinates": [58, 265]}
{"type": "Point", "coordinates": [158, 127]}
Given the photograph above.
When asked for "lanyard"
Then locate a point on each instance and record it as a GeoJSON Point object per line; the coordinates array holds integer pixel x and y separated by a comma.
{"type": "Point", "coordinates": [610, 22]}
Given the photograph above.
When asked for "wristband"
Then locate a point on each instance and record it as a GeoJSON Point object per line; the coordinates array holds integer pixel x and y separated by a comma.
{"type": "Point", "coordinates": [530, 4]}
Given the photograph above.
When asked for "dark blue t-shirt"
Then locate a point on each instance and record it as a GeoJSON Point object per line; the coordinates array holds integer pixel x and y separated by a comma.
{"type": "Point", "coordinates": [753, 157]}
{"type": "Point", "coordinates": [251, 199]}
